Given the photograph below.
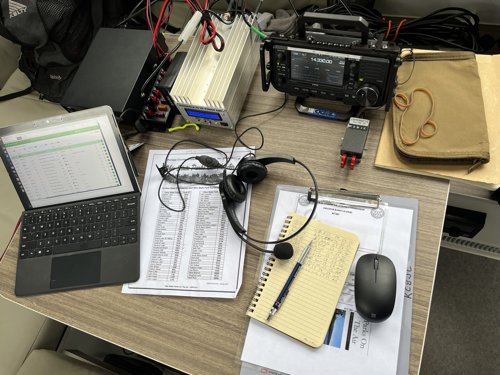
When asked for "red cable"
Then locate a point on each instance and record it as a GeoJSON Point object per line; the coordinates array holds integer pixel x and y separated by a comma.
{"type": "Point", "coordinates": [388, 30]}
{"type": "Point", "coordinates": [159, 22]}
{"type": "Point", "coordinates": [168, 15]}
{"type": "Point", "coordinates": [397, 30]}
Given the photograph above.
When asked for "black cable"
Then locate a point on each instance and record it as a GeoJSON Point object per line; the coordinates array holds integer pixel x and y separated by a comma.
{"type": "Point", "coordinates": [135, 14]}
{"type": "Point", "coordinates": [167, 171]}
{"type": "Point", "coordinates": [293, 7]}
{"type": "Point", "coordinates": [412, 68]}
{"type": "Point", "coordinates": [160, 66]}
{"type": "Point", "coordinates": [346, 7]}
{"type": "Point", "coordinates": [451, 27]}
{"type": "Point", "coordinates": [254, 115]}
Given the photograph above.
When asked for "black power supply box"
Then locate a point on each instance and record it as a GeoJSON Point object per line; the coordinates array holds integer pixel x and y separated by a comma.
{"type": "Point", "coordinates": [116, 66]}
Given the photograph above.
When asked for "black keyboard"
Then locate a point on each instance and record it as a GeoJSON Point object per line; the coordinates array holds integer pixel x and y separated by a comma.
{"type": "Point", "coordinates": [94, 224]}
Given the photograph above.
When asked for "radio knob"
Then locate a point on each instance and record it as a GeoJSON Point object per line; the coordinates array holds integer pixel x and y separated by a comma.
{"type": "Point", "coordinates": [280, 57]}
{"type": "Point", "coordinates": [367, 95]}
{"type": "Point", "coordinates": [353, 67]}
{"type": "Point", "coordinates": [281, 80]}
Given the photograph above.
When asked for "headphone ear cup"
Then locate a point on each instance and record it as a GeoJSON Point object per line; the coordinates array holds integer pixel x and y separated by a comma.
{"type": "Point", "coordinates": [251, 171]}
{"type": "Point", "coordinates": [234, 188]}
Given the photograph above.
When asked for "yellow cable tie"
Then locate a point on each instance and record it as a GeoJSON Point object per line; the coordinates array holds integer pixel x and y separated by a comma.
{"type": "Point", "coordinates": [182, 127]}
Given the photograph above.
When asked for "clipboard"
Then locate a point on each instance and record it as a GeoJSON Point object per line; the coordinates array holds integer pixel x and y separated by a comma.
{"type": "Point", "coordinates": [357, 199]}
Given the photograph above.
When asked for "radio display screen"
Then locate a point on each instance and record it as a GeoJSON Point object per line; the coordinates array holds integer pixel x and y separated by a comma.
{"type": "Point", "coordinates": [323, 68]}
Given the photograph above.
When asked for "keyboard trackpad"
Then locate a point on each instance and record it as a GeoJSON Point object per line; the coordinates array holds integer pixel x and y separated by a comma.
{"type": "Point", "coordinates": [75, 270]}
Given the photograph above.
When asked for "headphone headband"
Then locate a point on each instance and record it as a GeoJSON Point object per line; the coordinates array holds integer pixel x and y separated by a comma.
{"type": "Point", "coordinates": [273, 158]}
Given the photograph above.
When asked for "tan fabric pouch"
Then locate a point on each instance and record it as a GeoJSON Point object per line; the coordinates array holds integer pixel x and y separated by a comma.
{"type": "Point", "coordinates": [453, 80]}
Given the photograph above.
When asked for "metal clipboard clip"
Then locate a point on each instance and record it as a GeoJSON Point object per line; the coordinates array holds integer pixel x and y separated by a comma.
{"type": "Point", "coordinates": [357, 198]}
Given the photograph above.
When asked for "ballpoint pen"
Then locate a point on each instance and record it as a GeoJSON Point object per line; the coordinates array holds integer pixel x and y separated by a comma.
{"type": "Point", "coordinates": [286, 288]}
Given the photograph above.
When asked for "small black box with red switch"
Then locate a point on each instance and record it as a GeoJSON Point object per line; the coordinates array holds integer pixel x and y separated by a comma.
{"type": "Point", "coordinates": [353, 143]}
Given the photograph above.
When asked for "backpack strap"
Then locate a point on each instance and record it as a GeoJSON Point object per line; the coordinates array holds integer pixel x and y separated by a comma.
{"type": "Point", "coordinates": [16, 94]}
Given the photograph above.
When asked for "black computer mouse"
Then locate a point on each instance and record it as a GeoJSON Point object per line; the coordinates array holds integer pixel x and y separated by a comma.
{"type": "Point", "coordinates": [375, 287]}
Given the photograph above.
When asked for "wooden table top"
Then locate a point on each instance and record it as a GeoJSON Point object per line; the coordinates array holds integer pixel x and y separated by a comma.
{"type": "Point", "coordinates": [205, 335]}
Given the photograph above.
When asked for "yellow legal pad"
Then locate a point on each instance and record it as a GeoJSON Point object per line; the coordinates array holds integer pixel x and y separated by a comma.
{"type": "Point", "coordinates": [309, 307]}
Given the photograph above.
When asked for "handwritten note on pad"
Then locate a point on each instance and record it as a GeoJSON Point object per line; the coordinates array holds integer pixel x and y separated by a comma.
{"type": "Point", "coordinates": [309, 306]}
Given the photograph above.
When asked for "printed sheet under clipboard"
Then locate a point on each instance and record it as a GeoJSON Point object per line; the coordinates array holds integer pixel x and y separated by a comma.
{"type": "Point", "coordinates": [352, 345]}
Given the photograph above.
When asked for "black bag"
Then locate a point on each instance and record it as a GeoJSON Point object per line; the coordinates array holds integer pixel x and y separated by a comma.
{"type": "Point", "coordinates": [54, 36]}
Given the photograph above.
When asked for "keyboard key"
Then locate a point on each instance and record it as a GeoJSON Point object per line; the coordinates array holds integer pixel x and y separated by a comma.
{"type": "Point", "coordinates": [53, 233]}
{"type": "Point", "coordinates": [107, 217]}
{"type": "Point", "coordinates": [81, 237]}
{"type": "Point", "coordinates": [66, 223]}
{"type": "Point", "coordinates": [40, 243]}
{"type": "Point", "coordinates": [91, 204]}
{"type": "Point", "coordinates": [98, 218]}
{"type": "Point", "coordinates": [40, 252]}
{"type": "Point", "coordinates": [100, 203]}
{"type": "Point", "coordinates": [86, 228]}
{"type": "Point", "coordinates": [48, 217]}
{"type": "Point", "coordinates": [34, 228]}
{"type": "Point", "coordinates": [125, 199]}
{"type": "Point", "coordinates": [73, 222]}
{"type": "Point", "coordinates": [26, 214]}
{"type": "Point", "coordinates": [78, 229]}
{"type": "Point", "coordinates": [114, 241]}
{"type": "Point", "coordinates": [79, 246]}
{"type": "Point", "coordinates": [91, 219]}
{"type": "Point", "coordinates": [90, 236]}
{"type": "Point", "coordinates": [64, 215]}
{"type": "Point", "coordinates": [48, 243]}
{"type": "Point", "coordinates": [111, 224]}
{"type": "Point", "coordinates": [28, 245]}
{"type": "Point", "coordinates": [32, 220]}
{"type": "Point", "coordinates": [131, 204]}
{"type": "Point", "coordinates": [61, 232]}
{"type": "Point", "coordinates": [57, 216]}
{"type": "Point", "coordinates": [57, 224]}
{"type": "Point", "coordinates": [64, 240]}
{"type": "Point", "coordinates": [102, 226]}
{"type": "Point", "coordinates": [23, 254]}
{"type": "Point", "coordinates": [124, 240]}
{"type": "Point", "coordinates": [128, 230]}
{"type": "Point", "coordinates": [48, 251]}
{"type": "Point", "coordinates": [73, 239]}
{"type": "Point", "coordinates": [50, 225]}
{"type": "Point", "coordinates": [133, 238]}
{"type": "Point", "coordinates": [124, 214]}
{"type": "Point", "coordinates": [25, 230]}
{"type": "Point", "coordinates": [107, 233]}
{"type": "Point", "coordinates": [57, 241]}
{"type": "Point", "coordinates": [45, 234]}
{"type": "Point", "coordinates": [69, 230]}
{"type": "Point", "coordinates": [26, 237]}
{"type": "Point", "coordinates": [40, 219]}
{"type": "Point", "coordinates": [26, 221]}
{"type": "Point", "coordinates": [42, 227]}
{"type": "Point", "coordinates": [106, 242]}
{"type": "Point", "coordinates": [130, 221]}
{"type": "Point", "coordinates": [83, 220]}
{"type": "Point", "coordinates": [114, 232]}
{"type": "Point", "coordinates": [112, 207]}
{"type": "Point", "coordinates": [120, 222]}
{"type": "Point", "coordinates": [37, 236]}
{"type": "Point", "coordinates": [31, 253]}
{"type": "Point", "coordinates": [98, 235]}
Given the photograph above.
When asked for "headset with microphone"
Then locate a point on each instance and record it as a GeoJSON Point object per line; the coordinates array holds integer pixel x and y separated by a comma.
{"type": "Point", "coordinates": [232, 190]}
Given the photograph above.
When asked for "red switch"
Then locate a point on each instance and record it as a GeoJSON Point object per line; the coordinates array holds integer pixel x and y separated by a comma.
{"type": "Point", "coordinates": [353, 160]}
{"type": "Point", "coordinates": [342, 163]}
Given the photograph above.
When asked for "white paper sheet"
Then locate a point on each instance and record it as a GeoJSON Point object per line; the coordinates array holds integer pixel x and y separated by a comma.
{"type": "Point", "coordinates": [193, 253]}
{"type": "Point", "coordinates": [355, 346]}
